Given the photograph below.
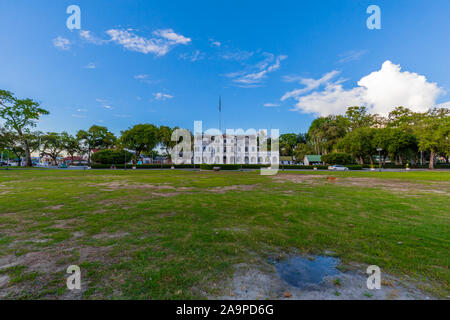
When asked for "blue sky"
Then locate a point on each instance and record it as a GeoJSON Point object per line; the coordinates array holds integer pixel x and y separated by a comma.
{"type": "Point", "coordinates": [276, 64]}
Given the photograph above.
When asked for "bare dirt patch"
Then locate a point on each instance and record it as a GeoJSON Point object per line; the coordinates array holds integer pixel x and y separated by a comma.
{"type": "Point", "coordinates": [240, 187]}
{"type": "Point", "coordinates": [263, 281]}
{"type": "Point", "coordinates": [116, 185]}
{"type": "Point", "coordinates": [388, 184]}
{"type": "Point", "coordinates": [110, 235]}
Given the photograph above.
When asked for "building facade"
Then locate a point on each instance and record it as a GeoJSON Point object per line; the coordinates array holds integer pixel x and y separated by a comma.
{"type": "Point", "coordinates": [231, 149]}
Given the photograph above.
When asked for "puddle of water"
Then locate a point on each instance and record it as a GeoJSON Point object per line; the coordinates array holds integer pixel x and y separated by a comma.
{"type": "Point", "coordinates": [304, 273]}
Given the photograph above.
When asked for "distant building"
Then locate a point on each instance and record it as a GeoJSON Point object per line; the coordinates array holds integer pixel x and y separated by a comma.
{"type": "Point", "coordinates": [231, 149]}
{"type": "Point", "coordinates": [287, 160]}
{"type": "Point", "coordinates": [312, 159]}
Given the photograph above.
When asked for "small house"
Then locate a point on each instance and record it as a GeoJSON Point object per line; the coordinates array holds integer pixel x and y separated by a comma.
{"type": "Point", "coordinates": [312, 159]}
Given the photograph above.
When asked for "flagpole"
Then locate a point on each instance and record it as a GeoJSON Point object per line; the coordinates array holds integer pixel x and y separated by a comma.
{"type": "Point", "coordinates": [220, 114]}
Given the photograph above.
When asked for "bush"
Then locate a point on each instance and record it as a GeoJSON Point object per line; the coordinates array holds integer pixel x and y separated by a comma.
{"type": "Point", "coordinates": [319, 167]}
{"type": "Point", "coordinates": [338, 158]}
{"type": "Point", "coordinates": [222, 166]}
{"type": "Point", "coordinates": [142, 166]}
{"type": "Point", "coordinates": [111, 156]}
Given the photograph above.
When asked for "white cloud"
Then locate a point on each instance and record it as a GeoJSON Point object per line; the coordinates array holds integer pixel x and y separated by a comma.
{"type": "Point", "coordinates": [237, 55]}
{"type": "Point", "coordinates": [162, 96]}
{"type": "Point", "coordinates": [194, 56]}
{"type": "Point", "coordinates": [310, 84]}
{"type": "Point", "coordinates": [444, 105]}
{"type": "Point", "coordinates": [141, 76]}
{"type": "Point", "coordinates": [79, 116]}
{"type": "Point", "coordinates": [352, 56]}
{"type": "Point", "coordinates": [104, 103]}
{"type": "Point", "coordinates": [82, 110]}
{"type": "Point", "coordinates": [61, 43]}
{"type": "Point", "coordinates": [89, 37]}
{"type": "Point", "coordinates": [381, 92]}
{"type": "Point", "coordinates": [172, 36]}
{"type": "Point", "coordinates": [164, 41]}
{"type": "Point", "coordinates": [259, 72]}
{"type": "Point", "coordinates": [271, 104]}
{"type": "Point", "coordinates": [90, 65]}
{"type": "Point", "coordinates": [215, 43]}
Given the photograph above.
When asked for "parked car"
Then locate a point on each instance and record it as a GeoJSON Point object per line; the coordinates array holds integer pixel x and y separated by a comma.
{"type": "Point", "coordinates": [337, 167]}
{"type": "Point", "coordinates": [41, 165]}
{"type": "Point", "coordinates": [3, 163]}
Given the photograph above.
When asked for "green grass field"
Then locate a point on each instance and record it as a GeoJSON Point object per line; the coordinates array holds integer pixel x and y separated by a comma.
{"type": "Point", "coordinates": [173, 234]}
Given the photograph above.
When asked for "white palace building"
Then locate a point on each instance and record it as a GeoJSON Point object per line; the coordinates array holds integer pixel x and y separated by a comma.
{"type": "Point", "coordinates": [232, 148]}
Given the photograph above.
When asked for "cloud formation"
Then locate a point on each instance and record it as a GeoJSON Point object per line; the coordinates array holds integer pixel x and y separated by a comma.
{"type": "Point", "coordinates": [271, 104]}
{"type": "Point", "coordinates": [162, 96]}
{"type": "Point", "coordinates": [193, 57]}
{"type": "Point", "coordinates": [381, 91]}
{"type": "Point", "coordinates": [61, 43]}
{"type": "Point", "coordinates": [254, 76]}
{"type": "Point", "coordinates": [162, 42]}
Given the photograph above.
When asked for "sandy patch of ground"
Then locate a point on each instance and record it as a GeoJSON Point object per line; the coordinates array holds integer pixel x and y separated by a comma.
{"type": "Point", "coordinates": [388, 184]}
{"type": "Point", "coordinates": [116, 185]}
{"type": "Point", "coordinates": [262, 281]}
{"type": "Point", "coordinates": [240, 187]}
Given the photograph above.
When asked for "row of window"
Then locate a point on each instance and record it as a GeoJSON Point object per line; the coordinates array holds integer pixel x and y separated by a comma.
{"type": "Point", "coordinates": [238, 160]}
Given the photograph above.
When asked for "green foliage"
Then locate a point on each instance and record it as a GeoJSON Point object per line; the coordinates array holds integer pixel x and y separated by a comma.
{"type": "Point", "coordinates": [140, 138]}
{"type": "Point", "coordinates": [20, 115]}
{"type": "Point", "coordinates": [338, 158]}
{"type": "Point", "coordinates": [165, 138]}
{"type": "Point", "coordinates": [109, 157]}
{"type": "Point", "coordinates": [97, 137]}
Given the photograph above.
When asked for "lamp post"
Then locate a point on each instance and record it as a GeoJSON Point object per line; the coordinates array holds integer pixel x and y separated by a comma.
{"type": "Point", "coordinates": [379, 157]}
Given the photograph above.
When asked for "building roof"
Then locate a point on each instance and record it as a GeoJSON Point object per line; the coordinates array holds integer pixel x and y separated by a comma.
{"type": "Point", "coordinates": [313, 157]}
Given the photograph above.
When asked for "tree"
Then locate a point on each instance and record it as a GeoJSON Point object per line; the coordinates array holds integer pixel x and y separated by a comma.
{"type": "Point", "coordinates": [325, 132]}
{"type": "Point", "coordinates": [288, 141]}
{"type": "Point", "coordinates": [338, 158]}
{"type": "Point", "coordinates": [140, 138]}
{"type": "Point", "coordinates": [111, 156]}
{"type": "Point", "coordinates": [70, 144]}
{"type": "Point", "coordinates": [52, 145]}
{"type": "Point", "coordinates": [434, 131]}
{"type": "Point", "coordinates": [358, 117]}
{"type": "Point", "coordinates": [97, 137]}
{"type": "Point", "coordinates": [165, 138]}
{"type": "Point", "coordinates": [359, 143]}
{"type": "Point", "coordinates": [20, 115]}
{"type": "Point", "coordinates": [301, 150]}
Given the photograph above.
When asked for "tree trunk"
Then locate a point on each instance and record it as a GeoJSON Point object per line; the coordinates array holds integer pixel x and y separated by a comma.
{"type": "Point", "coordinates": [28, 162]}
{"type": "Point", "coordinates": [431, 166]}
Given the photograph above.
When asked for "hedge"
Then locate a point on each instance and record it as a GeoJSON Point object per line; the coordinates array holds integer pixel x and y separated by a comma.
{"type": "Point", "coordinates": [142, 166]}
{"type": "Point", "coordinates": [211, 166]}
{"type": "Point", "coordinates": [320, 167]}
{"type": "Point", "coordinates": [417, 166]}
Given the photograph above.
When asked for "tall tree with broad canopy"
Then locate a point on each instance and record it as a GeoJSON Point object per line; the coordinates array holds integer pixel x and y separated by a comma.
{"type": "Point", "coordinates": [70, 144]}
{"type": "Point", "coordinates": [141, 138]}
{"type": "Point", "coordinates": [358, 117]}
{"type": "Point", "coordinates": [165, 138]}
{"type": "Point", "coordinates": [20, 115]}
{"type": "Point", "coordinates": [360, 144]}
{"type": "Point", "coordinates": [325, 132]}
{"type": "Point", "coordinates": [97, 137]}
{"type": "Point", "coordinates": [288, 141]}
{"type": "Point", "coordinates": [52, 145]}
{"type": "Point", "coordinates": [434, 132]}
